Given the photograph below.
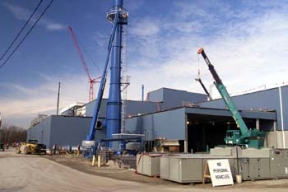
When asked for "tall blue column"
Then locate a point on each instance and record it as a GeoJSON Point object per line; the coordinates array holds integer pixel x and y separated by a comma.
{"type": "Point", "coordinates": [114, 105]}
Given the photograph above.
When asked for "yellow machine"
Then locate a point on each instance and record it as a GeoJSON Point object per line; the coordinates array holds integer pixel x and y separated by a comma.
{"type": "Point", "coordinates": [31, 147]}
{"type": "Point", "coordinates": [165, 145]}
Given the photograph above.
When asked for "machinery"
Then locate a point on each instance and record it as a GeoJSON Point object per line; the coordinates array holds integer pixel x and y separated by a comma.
{"type": "Point", "coordinates": [204, 88]}
{"type": "Point", "coordinates": [165, 145]}
{"type": "Point", "coordinates": [252, 138]}
{"type": "Point", "coordinates": [31, 147]}
{"type": "Point", "coordinates": [92, 81]}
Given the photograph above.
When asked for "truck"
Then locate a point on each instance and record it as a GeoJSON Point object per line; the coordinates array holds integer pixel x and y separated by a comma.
{"type": "Point", "coordinates": [244, 137]}
{"type": "Point", "coordinates": [31, 147]}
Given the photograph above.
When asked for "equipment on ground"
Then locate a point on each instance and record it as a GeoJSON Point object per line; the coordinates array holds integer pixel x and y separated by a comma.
{"type": "Point", "coordinates": [31, 147]}
{"type": "Point", "coordinates": [244, 137]}
{"type": "Point", "coordinates": [165, 145]}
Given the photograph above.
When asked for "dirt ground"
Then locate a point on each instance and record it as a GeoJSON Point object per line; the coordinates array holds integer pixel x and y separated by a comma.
{"type": "Point", "coordinates": [85, 165]}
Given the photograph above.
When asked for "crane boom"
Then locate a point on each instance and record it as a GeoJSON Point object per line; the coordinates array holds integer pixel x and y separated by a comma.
{"type": "Point", "coordinates": [80, 52]}
{"type": "Point", "coordinates": [91, 81]}
{"type": "Point", "coordinates": [253, 138]}
{"type": "Point", "coordinates": [204, 88]}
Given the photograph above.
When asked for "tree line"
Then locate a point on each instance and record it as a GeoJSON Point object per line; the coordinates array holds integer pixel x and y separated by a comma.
{"type": "Point", "coordinates": [12, 134]}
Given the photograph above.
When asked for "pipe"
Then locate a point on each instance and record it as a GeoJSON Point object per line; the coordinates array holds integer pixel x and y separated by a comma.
{"type": "Point", "coordinates": [281, 115]}
{"type": "Point", "coordinates": [275, 134]}
{"type": "Point", "coordinates": [58, 97]}
{"type": "Point", "coordinates": [91, 135]}
{"type": "Point", "coordinates": [142, 92]}
{"type": "Point", "coordinates": [258, 124]}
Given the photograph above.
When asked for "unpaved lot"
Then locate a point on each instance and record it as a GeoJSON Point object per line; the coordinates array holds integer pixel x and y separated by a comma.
{"type": "Point", "coordinates": [85, 165]}
{"type": "Point", "coordinates": [38, 173]}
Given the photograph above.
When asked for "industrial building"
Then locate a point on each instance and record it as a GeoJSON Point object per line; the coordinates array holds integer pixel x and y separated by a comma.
{"type": "Point", "coordinates": [189, 117]}
{"type": "Point", "coordinates": [175, 114]}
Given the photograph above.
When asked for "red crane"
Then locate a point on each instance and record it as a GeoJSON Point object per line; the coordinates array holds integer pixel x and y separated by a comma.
{"type": "Point", "coordinates": [91, 81]}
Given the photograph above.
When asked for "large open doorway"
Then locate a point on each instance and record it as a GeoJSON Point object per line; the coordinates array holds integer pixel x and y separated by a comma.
{"type": "Point", "coordinates": [207, 131]}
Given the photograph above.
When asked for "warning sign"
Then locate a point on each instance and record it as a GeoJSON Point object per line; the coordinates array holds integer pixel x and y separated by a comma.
{"type": "Point", "coordinates": [220, 172]}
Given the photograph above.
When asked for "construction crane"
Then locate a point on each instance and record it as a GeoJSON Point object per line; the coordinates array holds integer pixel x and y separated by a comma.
{"type": "Point", "coordinates": [203, 86]}
{"type": "Point", "coordinates": [244, 137]}
{"type": "Point", "coordinates": [91, 81]}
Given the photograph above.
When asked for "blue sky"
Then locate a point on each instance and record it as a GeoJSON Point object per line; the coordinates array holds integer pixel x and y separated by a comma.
{"type": "Point", "coordinates": [246, 41]}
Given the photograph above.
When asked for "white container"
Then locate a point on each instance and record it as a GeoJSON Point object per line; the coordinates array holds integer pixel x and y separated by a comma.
{"type": "Point", "coordinates": [238, 178]}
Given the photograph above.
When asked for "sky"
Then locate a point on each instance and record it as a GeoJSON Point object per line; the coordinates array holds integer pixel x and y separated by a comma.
{"type": "Point", "coordinates": [245, 40]}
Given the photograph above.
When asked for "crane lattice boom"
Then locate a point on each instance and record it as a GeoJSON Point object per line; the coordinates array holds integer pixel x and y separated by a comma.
{"type": "Point", "coordinates": [91, 81]}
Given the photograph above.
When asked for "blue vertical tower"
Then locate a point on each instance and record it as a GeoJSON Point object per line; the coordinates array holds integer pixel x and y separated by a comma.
{"type": "Point", "coordinates": [114, 104]}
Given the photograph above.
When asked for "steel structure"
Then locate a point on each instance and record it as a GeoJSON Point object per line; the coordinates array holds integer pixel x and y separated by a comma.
{"type": "Point", "coordinates": [114, 104]}
{"type": "Point", "coordinates": [91, 81]}
{"type": "Point", "coordinates": [204, 88]}
{"type": "Point", "coordinates": [118, 16]}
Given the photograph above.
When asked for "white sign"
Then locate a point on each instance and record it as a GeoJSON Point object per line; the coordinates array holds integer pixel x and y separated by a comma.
{"type": "Point", "coordinates": [220, 172]}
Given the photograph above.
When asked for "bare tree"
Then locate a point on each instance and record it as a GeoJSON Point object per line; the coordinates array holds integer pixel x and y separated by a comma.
{"type": "Point", "coordinates": [10, 134]}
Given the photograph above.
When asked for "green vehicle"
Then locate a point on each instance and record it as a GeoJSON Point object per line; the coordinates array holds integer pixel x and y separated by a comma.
{"type": "Point", "coordinates": [244, 137]}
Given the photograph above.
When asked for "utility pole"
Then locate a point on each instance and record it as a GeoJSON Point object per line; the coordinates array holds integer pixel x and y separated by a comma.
{"type": "Point", "coordinates": [58, 97]}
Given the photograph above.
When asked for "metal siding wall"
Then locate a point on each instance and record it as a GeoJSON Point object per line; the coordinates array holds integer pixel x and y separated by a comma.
{"type": "Point", "coordinates": [41, 131]}
{"type": "Point", "coordinates": [69, 130]}
{"type": "Point", "coordinates": [156, 96]}
{"type": "Point", "coordinates": [169, 124]}
{"type": "Point", "coordinates": [132, 108]}
{"type": "Point", "coordinates": [262, 100]}
{"type": "Point", "coordinates": [284, 91]}
{"type": "Point", "coordinates": [136, 107]}
{"type": "Point", "coordinates": [91, 106]}
{"type": "Point", "coordinates": [175, 98]}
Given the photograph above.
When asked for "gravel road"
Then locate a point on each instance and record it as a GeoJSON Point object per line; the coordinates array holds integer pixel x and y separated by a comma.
{"type": "Point", "coordinates": [36, 173]}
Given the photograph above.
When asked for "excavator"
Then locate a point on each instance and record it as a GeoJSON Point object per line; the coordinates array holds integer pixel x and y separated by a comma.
{"type": "Point", "coordinates": [243, 137]}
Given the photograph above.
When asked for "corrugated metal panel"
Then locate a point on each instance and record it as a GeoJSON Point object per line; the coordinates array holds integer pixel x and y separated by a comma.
{"type": "Point", "coordinates": [176, 98]}
{"type": "Point", "coordinates": [68, 130]}
{"type": "Point", "coordinates": [168, 124]}
{"type": "Point", "coordinates": [164, 167]}
{"type": "Point", "coordinates": [132, 108]}
{"type": "Point", "coordinates": [41, 132]}
{"type": "Point", "coordinates": [156, 95]}
{"type": "Point", "coordinates": [148, 164]}
{"type": "Point", "coordinates": [265, 100]}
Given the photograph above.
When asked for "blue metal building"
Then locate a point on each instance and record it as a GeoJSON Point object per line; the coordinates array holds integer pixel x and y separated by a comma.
{"type": "Point", "coordinates": [60, 130]}
{"type": "Point", "coordinates": [185, 116]}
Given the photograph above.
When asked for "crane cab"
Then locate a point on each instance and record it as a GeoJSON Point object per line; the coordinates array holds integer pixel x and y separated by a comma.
{"type": "Point", "coordinates": [233, 137]}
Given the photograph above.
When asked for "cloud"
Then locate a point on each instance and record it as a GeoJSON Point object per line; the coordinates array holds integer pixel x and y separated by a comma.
{"type": "Point", "coordinates": [27, 102]}
{"type": "Point", "coordinates": [23, 14]}
{"type": "Point", "coordinates": [145, 28]}
{"type": "Point", "coordinates": [52, 26]}
{"type": "Point", "coordinates": [247, 46]}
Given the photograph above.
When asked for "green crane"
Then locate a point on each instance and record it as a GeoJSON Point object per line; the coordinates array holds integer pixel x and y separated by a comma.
{"type": "Point", "coordinates": [244, 137]}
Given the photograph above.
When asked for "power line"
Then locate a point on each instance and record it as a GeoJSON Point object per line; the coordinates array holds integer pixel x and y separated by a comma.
{"type": "Point", "coordinates": [26, 23]}
{"type": "Point", "coordinates": [19, 44]}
